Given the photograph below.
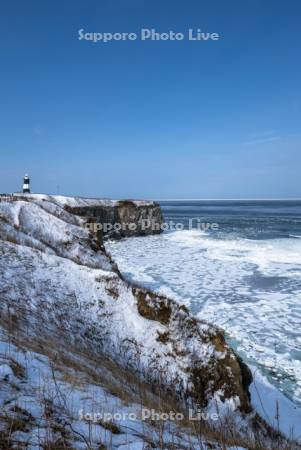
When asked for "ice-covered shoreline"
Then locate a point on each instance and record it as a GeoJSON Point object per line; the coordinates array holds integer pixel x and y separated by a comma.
{"type": "Point", "coordinates": [194, 266]}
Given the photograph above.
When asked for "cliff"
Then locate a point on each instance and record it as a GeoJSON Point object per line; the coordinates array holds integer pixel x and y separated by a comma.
{"type": "Point", "coordinates": [110, 218]}
{"type": "Point", "coordinates": [65, 306]}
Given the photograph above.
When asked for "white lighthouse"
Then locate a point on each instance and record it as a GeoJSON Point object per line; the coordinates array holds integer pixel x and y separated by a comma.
{"type": "Point", "coordinates": [26, 188]}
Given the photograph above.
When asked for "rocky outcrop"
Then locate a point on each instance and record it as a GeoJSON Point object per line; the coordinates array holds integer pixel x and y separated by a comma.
{"type": "Point", "coordinates": [122, 219]}
{"type": "Point", "coordinates": [221, 372]}
{"type": "Point", "coordinates": [108, 218]}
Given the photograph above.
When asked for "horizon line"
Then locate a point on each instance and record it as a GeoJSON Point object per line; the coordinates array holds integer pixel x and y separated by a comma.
{"type": "Point", "coordinates": [165, 198]}
{"type": "Point", "coordinates": [229, 199]}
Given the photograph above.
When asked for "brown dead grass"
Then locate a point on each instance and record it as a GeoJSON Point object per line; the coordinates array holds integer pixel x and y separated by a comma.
{"type": "Point", "coordinates": [79, 366]}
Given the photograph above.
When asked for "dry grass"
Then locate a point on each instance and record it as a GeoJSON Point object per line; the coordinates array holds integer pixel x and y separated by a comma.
{"type": "Point", "coordinates": [80, 366]}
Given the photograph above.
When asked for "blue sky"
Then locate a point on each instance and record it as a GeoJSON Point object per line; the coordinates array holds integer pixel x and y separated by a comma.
{"type": "Point", "coordinates": [152, 119]}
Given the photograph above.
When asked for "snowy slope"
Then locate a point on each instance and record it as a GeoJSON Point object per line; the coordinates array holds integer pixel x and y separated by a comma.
{"type": "Point", "coordinates": [47, 405]}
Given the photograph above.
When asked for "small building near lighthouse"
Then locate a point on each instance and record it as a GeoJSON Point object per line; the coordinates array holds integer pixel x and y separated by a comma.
{"type": "Point", "coordinates": [26, 185]}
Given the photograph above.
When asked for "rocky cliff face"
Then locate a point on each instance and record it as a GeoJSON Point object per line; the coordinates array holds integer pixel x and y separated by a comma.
{"type": "Point", "coordinates": [123, 219]}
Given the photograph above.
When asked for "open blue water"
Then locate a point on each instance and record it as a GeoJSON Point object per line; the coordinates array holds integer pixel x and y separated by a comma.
{"type": "Point", "coordinates": [244, 275]}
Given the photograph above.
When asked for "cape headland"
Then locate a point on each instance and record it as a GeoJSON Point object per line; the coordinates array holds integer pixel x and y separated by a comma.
{"type": "Point", "coordinates": [64, 302]}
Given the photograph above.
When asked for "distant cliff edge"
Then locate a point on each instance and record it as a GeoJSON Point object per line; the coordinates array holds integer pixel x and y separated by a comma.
{"type": "Point", "coordinates": [110, 218]}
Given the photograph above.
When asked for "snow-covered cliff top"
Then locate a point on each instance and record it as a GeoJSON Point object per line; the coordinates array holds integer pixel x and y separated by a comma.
{"type": "Point", "coordinates": [76, 202]}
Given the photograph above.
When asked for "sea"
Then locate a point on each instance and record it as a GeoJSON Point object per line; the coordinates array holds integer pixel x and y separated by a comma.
{"type": "Point", "coordinates": [236, 264]}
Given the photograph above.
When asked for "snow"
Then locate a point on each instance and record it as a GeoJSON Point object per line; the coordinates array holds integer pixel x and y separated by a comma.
{"type": "Point", "coordinates": [5, 371]}
{"type": "Point", "coordinates": [80, 201]}
{"type": "Point", "coordinates": [280, 412]}
{"type": "Point", "coordinates": [44, 384]}
{"type": "Point", "coordinates": [32, 225]}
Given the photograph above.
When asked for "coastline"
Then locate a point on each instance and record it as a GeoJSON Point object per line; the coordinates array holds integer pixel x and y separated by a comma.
{"type": "Point", "coordinates": [172, 350]}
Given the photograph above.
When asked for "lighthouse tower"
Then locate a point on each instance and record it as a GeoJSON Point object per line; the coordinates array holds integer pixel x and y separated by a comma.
{"type": "Point", "coordinates": [26, 188]}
